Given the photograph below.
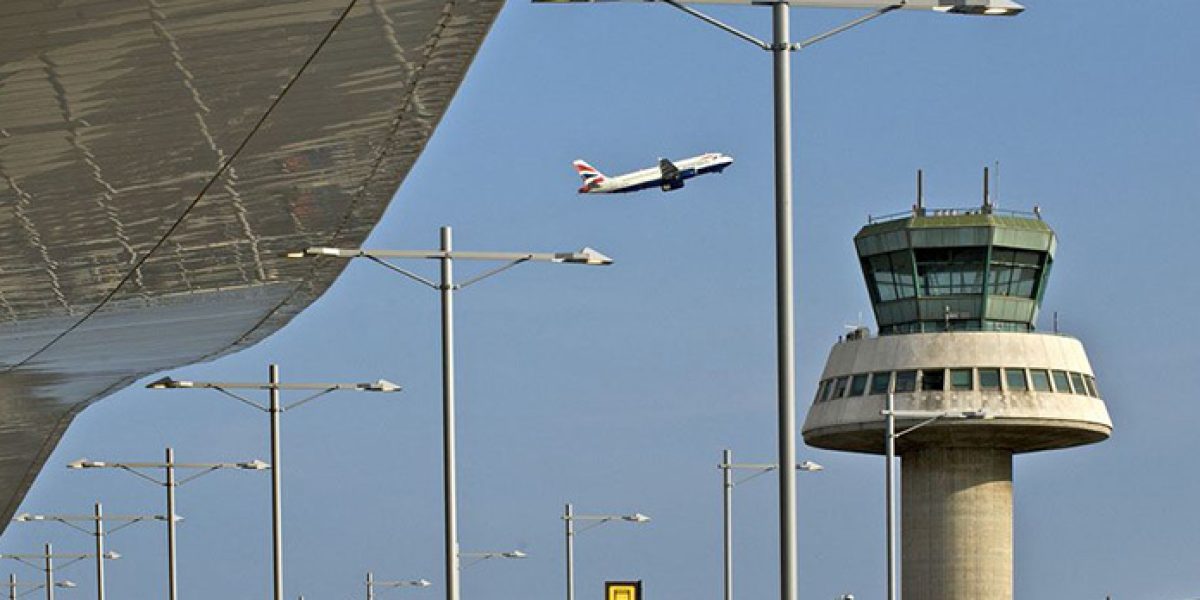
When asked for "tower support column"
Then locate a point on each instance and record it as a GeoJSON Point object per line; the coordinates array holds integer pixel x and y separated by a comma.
{"type": "Point", "coordinates": [956, 519]}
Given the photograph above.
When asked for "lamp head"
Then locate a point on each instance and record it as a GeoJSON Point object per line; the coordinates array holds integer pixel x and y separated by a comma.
{"type": "Point", "coordinates": [167, 383]}
{"type": "Point", "coordinates": [66, 583]}
{"type": "Point", "coordinates": [422, 583]}
{"type": "Point", "coordinates": [381, 385]}
{"type": "Point", "coordinates": [592, 257]}
{"type": "Point", "coordinates": [84, 463]}
{"type": "Point", "coordinates": [254, 465]}
{"type": "Point", "coordinates": [988, 8]}
{"type": "Point", "coordinates": [514, 554]}
{"type": "Point", "coordinates": [112, 555]}
{"type": "Point", "coordinates": [636, 518]}
{"type": "Point", "coordinates": [27, 517]}
{"type": "Point", "coordinates": [584, 256]}
{"type": "Point", "coordinates": [810, 466]}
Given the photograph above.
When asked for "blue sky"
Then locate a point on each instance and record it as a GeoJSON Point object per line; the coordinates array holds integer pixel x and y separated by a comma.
{"type": "Point", "coordinates": [616, 388]}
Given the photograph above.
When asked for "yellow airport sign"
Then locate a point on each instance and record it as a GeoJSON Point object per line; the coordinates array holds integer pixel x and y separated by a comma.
{"type": "Point", "coordinates": [622, 590]}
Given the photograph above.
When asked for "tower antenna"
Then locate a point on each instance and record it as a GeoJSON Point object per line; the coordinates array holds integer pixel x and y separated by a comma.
{"type": "Point", "coordinates": [987, 196]}
{"type": "Point", "coordinates": [920, 208]}
{"type": "Point", "coordinates": [996, 185]}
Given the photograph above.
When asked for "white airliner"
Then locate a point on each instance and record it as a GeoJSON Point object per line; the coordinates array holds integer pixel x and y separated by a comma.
{"type": "Point", "coordinates": [667, 175]}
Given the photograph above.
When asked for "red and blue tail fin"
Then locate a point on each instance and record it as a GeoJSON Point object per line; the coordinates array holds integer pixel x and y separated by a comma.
{"type": "Point", "coordinates": [591, 176]}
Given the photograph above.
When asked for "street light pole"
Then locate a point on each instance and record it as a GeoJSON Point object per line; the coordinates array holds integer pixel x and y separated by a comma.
{"type": "Point", "coordinates": [890, 436]}
{"type": "Point", "coordinates": [784, 305]}
{"type": "Point", "coordinates": [569, 520]}
{"type": "Point", "coordinates": [46, 565]}
{"type": "Point", "coordinates": [273, 409]}
{"type": "Point", "coordinates": [570, 517]}
{"type": "Point", "coordinates": [446, 287]}
{"type": "Point", "coordinates": [890, 479]}
{"type": "Point", "coordinates": [170, 483]}
{"type": "Point", "coordinates": [728, 467]}
{"type": "Point", "coordinates": [449, 474]}
{"type": "Point", "coordinates": [172, 582]}
{"type": "Point", "coordinates": [99, 533]}
{"type": "Point", "coordinates": [727, 484]}
{"type": "Point", "coordinates": [276, 485]}
{"type": "Point", "coordinates": [49, 572]}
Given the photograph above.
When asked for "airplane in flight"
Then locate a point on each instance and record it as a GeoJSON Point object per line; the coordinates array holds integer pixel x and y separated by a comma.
{"type": "Point", "coordinates": [666, 176]}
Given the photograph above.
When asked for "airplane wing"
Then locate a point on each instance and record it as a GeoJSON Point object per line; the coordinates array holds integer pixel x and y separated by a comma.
{"type": "Point", "coordinates": [668, 169]}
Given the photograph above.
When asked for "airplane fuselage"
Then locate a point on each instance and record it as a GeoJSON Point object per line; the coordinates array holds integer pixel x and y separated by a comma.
{"type": "Point", "coordinates": [655, 177]}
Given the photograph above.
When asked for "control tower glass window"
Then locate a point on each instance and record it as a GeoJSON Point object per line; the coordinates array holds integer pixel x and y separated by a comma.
{"type": "Point", "coordinates": [893, 276]}
{"type": "Point", "coordinates": [1077, 383]}
{"type": "Point", "coordinates": [880, 382]}
{"type": "Point", "coordinates": [989, 379]}
{"type": "Point", "coordinates": [950, 271]}
{"type": "Point", "coordinates": [1015, 380]}
{"type": "Point", "coordinates": [858, 385]}
{"type": "Point", "coordinates": [1061, 384]}
{"type": "Point", "coordinates": [1013, 273]}
{"type": "Point", "coordinates": [960, 379]}
{"type": "Point", "coordinates": [1040, 379]}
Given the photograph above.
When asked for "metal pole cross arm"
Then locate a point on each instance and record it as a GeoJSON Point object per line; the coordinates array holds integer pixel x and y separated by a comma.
{"type": "Point", "coordinates": [586, 255]}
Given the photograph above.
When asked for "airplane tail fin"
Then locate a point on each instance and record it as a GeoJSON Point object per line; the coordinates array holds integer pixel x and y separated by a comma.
{"type": "Point", "coordinates": [587, 172]}
{"type": "Point", "coordinates": [591, 176]}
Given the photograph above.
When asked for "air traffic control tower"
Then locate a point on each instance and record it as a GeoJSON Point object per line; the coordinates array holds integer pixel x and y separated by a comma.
{"type": "Point", "coordinates": [956, 295]}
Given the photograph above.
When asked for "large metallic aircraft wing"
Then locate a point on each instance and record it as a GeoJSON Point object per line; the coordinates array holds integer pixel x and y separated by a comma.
{"type": "Point", "coordinates": [156, 158]}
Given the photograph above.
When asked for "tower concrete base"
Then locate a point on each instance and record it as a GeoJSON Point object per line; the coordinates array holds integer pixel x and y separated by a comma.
{"type": "Point", "coordinates": [956, 520]}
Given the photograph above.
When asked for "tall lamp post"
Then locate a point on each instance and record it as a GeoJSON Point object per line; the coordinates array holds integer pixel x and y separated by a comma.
{"type": "Point", "coordinates": [274, 408]}
{"type": "Point", "coordinates": [373, 583]}
{"type": "Point", "coordinates": [569, 518]}
{"type": "Point", "coordinates": [727, 468]}
{"type": "Point", "coordinates": [47, 565]}
{"type": "Point", "coordinates": [98, 519]}
{"type": "Point", "coordinates": [170, 483]}
{"type": "Point", "coordinates": [923, 418]}
{"type": "Point", "coordinates": [446, 287]}
{"type": "Point", "coordinates": [14, 586]}
{"type": "Point", "coordinates": [780, 48]}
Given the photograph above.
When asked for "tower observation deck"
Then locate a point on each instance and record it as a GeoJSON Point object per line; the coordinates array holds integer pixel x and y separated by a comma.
{"type": "Point", "coordinates": [956, 296]}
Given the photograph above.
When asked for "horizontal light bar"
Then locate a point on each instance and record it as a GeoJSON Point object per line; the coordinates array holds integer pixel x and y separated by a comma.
{"type": "Point", "coordinates": [998, 8]}
{"type": "Point", "coordinates": [583, 256]}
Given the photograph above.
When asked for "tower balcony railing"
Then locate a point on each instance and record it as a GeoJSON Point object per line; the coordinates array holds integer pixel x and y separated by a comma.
{"type": "Point", "coordinates": [1036, 213]}
{"type": "Point", "coordinates": [865, 332]}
